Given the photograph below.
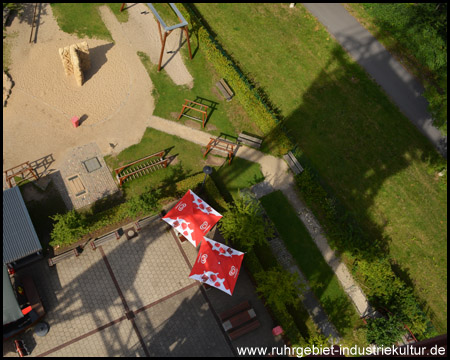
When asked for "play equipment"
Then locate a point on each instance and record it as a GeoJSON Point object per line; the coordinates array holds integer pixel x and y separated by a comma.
{"type": "Point", "coordinates": [18, 171]}
{"type": "Point", "coordinates": [221, 145]}
{"type": "Point", "coordinates": [189, 105]}
{"type": "Point", "coordinates": [141, 167]}
{"type": "Point", "coordinates": [75, 59]}
{"type": "Point", "coordinates": [168, 29]}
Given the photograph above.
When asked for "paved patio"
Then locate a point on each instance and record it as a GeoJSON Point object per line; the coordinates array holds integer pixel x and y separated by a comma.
{"type": "Point", "coordinates": [134, 298]}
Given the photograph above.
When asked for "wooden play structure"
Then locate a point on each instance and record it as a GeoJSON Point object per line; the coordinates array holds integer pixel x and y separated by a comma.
{"type": "Point", "coordinates": [189, 105]}
{"type": "Point", "coordinates": [168, 29]}
{"type": "Point", "coordinates": [141, 167]}
{"type": "Point", "coordinates": [223, 146]}
{"type": "Point", "coordinates": [19, 171]}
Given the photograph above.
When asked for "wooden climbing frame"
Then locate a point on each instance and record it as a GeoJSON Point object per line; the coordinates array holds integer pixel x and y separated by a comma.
{"type": "Point", "coordinates": [189, 104]}
{"type": "Point", "coordinates": [168, 29]}
{"type": "Point", "coordinates": [19, 170]}
{"type": "Point", "coordinates": [221, 145]}
{"type": "Point", "coordinates": [141, 167]}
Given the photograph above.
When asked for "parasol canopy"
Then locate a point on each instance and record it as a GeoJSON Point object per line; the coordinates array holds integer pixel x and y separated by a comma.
{"type": "Point", "coordinates": [217, 265]}
{"type": "Point", "coordinates": [192, 217]}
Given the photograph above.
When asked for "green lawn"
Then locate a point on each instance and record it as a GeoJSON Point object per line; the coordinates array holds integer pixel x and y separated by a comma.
{"type": "Point", "coordinates": [83, 19]}
{"type": "Point", "coordinates": [223, 117]}
{"type": "Point", "coordinates": [366, 152]}
{"type": "Point", "coordinates": [188, 161]}
{"type": "Point", "coordinates": [414, 34]}
{"type": "Point", "coordinates": [322, 280]}
{"type": "Point", "coordinates": [240, 174]}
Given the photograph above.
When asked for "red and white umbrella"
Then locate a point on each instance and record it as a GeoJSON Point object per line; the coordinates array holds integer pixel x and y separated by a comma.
{"type": "Point", "coordinates": [217, 265]}
{"type": "Point", "coordinates": [192, 217]}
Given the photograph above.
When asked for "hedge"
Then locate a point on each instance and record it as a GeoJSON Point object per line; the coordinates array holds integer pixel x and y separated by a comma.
{"type": "Point", "coordinates": [74, 225]}
{"type": "Point", "coordinates": [372, 266]}
{"type": "Point", "coordinates": [276, 141]}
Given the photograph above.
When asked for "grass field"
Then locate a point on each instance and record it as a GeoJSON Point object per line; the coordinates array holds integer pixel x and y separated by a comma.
{"type": "Point", "coordinates": [321, 278]}
{"type": "Point", "coordinates": [223, 117]}
{"type": "Point", "coordinates": [188, 161]}
{"type": "Point", "coordinates": [367, 153]}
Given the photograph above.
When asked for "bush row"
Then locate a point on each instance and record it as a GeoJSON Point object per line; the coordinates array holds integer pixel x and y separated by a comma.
{"type": "Point", "coordinates": [284, 318]}
{"type": "Point", "coordinates": [384, 288]}
{"type": "Point", "coordinates": [74, 225]}
{"type": "Point", "coordinates": [276, 141]}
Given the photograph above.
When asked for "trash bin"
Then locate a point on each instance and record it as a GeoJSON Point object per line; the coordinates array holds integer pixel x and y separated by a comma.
{"type": "Point", "coordinates": [76, 121]}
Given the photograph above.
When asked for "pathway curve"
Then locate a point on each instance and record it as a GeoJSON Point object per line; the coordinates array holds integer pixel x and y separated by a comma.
{"type": "Point", "coordinates": [399, 84]}
{"type": "Point", "coordinates": [278, 177]}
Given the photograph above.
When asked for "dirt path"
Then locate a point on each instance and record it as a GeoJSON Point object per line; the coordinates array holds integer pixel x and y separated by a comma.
{"type": "Point", "coordinates": [114, 103]}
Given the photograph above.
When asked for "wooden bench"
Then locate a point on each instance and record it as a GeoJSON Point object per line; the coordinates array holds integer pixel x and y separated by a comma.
{"type": "Point", "coordinates": [239, 319]}
{"type": "Point", "coordinates": [63, 256]}
{"type": "Point", "coordinates": [252, 325]}
{"type": "Point", "coordinates": [293, 163]}
{"type": "Point", "coordinates": [250, 140]}
{"type": "Point", "coordinates": [234, 310]}
{"type": "Point", "coordinates": [104, 239]}
{"type": "Point", "coordinates": [145, 221]}
{"type": "Point", "coordinates": [225, 89]}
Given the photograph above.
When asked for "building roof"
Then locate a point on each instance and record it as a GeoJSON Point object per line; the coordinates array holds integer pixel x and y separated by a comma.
{"type": "Point", "coordinates": [19, 236]}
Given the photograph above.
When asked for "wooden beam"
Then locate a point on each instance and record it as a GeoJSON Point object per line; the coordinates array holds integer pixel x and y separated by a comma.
{"type": "Point", "coordinates": [162, 51]}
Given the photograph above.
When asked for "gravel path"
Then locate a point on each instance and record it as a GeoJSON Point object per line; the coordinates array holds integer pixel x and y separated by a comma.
{"type": "Point", "coordinates": [399, 84]}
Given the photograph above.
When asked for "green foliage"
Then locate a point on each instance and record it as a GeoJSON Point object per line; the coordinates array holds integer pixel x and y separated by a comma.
{"type": "Point", "coordinates": [278, 287]}
{"type": "Point", "coordinates": [68, 228]}
{"type": "Point", "coordinates": [384, 331]}
{"type": "Point", "coordinates": [246, 95]}
{"type": "Point", "coordinates": [81, 19]}
{"type": "Point", "coordinates": [422, 29]}
{"type": "Point", "coordinates": [343, 230]}
{"type": "Point", "coordinates": [13, 6]}
{"type": "Point", "coordinates": [144, 203]}
{"type": "Point", "coordinates": [72, 226]}
{"type": "Point", "coordinates": [284, 318]}
{"type": "Point", "coordinates": [383, 287]}
{"type": "Point", "coordinates": [243, 224]}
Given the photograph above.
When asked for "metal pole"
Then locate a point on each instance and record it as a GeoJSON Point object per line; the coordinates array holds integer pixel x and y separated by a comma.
{"type": "Point", "coordinates": [162, 51]}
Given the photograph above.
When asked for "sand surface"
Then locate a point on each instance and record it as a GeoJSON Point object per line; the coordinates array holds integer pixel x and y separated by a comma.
{"type": "Point", "coordinates": [114, 103]}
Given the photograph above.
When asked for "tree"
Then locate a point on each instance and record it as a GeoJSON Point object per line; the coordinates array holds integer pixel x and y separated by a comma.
{"type": "Point", "coordinates": [384, 331]}
{"type": "Point", "coordinates": [67, 228]}
{"type": "Point", "coordinates": [279, 287]}
{"type": "Point", "coordinates": [243, 223]}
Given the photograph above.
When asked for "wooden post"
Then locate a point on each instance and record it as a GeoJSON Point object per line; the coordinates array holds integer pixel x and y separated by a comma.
{"type": "Point", "coordinates": [159, 29]}
{"type": "Point", "coordinates": [121, 8]}
{"type": "Point", "coordinates": [189, 43]}
{"type": "Point", "coordinates": [162, 51]}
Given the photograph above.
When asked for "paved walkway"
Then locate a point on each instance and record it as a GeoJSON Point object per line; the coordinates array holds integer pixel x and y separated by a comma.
{"type": "Point", "coordinates": [279, 177]}
{"type": "Point", "coordinates": [134, 298]}
{"type": "Point", "coordinates": [398, 83]}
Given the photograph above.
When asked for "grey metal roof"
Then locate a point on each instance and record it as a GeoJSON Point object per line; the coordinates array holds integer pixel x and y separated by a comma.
{"type": "Point", "coordinates": [19, 236]}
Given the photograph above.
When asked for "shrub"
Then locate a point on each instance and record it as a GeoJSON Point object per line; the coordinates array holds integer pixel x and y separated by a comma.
{"type": "Point", "coordinates": [384, 331]}
{"type": "Point", "coordinates": [243, 224]}
{"type": "Point", "coordinates": [279, 287]}
{"type": "Point", "coordinates": [68, 228]}
{"type": "Point", "coordinates": [145, 203]}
